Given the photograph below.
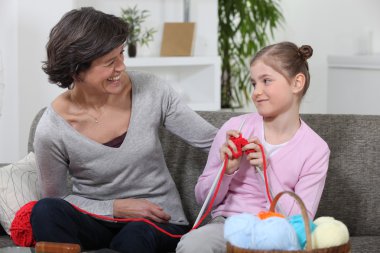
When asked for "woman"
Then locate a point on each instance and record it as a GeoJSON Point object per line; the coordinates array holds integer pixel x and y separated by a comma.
{"type": "Point", "coordinates": [103, 131]}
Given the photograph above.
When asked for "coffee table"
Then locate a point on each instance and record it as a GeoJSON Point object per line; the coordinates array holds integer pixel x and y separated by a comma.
{"type": "Point", "coordinates": [14, 249]}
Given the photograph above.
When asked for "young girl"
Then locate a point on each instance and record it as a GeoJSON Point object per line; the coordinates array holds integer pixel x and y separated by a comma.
{"type": "Point", "coordinates": [297, 158]}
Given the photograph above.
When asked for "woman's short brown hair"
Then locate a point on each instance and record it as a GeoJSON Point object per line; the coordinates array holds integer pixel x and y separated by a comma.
{"type": "Point", "coordinates": [80, 37]}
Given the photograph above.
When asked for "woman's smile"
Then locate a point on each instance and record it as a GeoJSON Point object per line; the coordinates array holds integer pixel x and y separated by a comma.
{"type": "Point", "coordinates": [114, 78]}
{"type": "Point", "coordinates": [114, 81]}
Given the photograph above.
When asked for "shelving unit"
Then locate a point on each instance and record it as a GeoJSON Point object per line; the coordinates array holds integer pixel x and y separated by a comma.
{"type": "Point", "coordinates": [196, 79]}
{"type": "Point", "coordinates": [354, 79]}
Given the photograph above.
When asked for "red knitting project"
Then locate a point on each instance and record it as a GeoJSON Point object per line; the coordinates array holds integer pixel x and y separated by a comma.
{"type": "Point", "coordinates": [21, 229]}
{"type": "Point", "coordinates": [240, 142]}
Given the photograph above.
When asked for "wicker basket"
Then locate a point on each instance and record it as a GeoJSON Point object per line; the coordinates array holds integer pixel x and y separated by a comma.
{"type": "Point", "coordinates": [345, 248]}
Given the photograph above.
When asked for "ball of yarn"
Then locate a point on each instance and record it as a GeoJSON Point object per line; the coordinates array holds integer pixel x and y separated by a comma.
{"type": "Point", "coordinates": [329, 233]}
{"type": "Point", "coordinates": [299, 226]}
{"type": "Point", "coordinates": [274, 233]}
{"type": "Point", "coordinates": [238, 229]}
{"type": "Point", "coordinates": [264, 215]}
{"type": "Point", "coordinates": [324, 219]}
{"type": "Point", "coordinates": [21, 229]}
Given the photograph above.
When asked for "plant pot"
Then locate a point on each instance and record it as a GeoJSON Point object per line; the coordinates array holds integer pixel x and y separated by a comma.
{"type": "Point", "coordinates": [132, 50]}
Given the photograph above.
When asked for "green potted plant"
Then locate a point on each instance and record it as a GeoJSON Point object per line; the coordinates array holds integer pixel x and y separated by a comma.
{"type": "Point", "coordinates": [135, 18]}
{"type": "Point", "coordinates": [243, 29]}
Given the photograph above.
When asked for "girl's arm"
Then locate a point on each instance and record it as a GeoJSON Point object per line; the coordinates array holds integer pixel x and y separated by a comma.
{"type": "Point", "coordinates": [213, 165]}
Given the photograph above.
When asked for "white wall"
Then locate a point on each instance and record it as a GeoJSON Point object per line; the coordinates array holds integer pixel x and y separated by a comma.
{"type": "Point", "coordinates": [34, 90]}
{"type": "Point", "coordinates": [28, 24]}
{"type": "Point", "coordinates": [203, 12]}
{"type": "Point", "coordinates": [336, 27]}
{"type": "Point", "coordinates": [9, 96]}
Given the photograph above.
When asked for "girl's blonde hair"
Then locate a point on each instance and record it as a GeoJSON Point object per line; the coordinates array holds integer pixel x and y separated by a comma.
{"type": "Point", "coordinates": [287, 59]}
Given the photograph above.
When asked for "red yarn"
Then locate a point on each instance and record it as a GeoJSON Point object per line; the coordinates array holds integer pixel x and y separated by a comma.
{"type": "Point", "coordinates": [21, 230]}
{"type": "Point", "coordinates": [240, 142]}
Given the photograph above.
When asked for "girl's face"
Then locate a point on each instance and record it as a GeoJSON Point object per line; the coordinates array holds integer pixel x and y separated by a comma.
{"type": "Point", "coordinates": [273, 94]}
{"type": "Point", "coordinates": [106, 73]}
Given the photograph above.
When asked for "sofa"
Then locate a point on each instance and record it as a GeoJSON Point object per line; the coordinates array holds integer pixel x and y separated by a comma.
{"type": "Point", "coordinates": [351, 194]}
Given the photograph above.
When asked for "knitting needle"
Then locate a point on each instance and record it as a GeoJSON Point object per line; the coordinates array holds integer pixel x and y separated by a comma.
{"type": "Point", "coordinates": [213, 186]}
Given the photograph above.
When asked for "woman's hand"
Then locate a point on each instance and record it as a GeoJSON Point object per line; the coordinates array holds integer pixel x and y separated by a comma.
{"type": "Point", "coordinates": [233, 164]}
{"type": "Point", "coordinates": [254, 158]}
{"type": "Point", "coordinates": [139, 208]}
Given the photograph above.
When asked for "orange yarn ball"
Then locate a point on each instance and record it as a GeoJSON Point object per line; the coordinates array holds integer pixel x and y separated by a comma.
{"type": "Point", "coordinates": [264, 215]}
{"type": "Point", "coordinates": [21, 229]}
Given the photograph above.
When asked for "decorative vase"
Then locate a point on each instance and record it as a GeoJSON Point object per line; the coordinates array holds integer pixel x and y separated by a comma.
{"type": "Point", "coordinates": [132, 50]}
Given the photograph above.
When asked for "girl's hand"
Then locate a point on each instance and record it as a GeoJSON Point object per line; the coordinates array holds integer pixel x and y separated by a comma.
{"type": "Point", "coordinates": [254, 158]}
{"type": "Point", "coordinates": [233, 164]}
{"type": "Point", "coordinates": [139, 208]}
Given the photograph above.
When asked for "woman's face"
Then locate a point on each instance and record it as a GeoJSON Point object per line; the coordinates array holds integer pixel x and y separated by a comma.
{"type": "Point", "coordinates": [272, 94]}
{"type": "Point", "coordinates": [106, 73]}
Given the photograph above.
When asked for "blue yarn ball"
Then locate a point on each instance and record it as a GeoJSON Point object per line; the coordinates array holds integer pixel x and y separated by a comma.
{"type": "Point", "coordinates": [297, 222]}
{"type": "Point", "coordinates": [237, 229]}
{"type": "Point", "coordinates": [274, 233]}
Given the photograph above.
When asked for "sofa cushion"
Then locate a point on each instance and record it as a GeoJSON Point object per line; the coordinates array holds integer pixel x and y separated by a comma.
{"type": "Point", "coordinates": [351, 193]}
{"type": "Point", "coordinates": [5, 241]}
{"type": "Point", "coordinates": [18, 186]}
{"type": "Point", "coordinates": [33, 127]}
{"type": "Point", "coordinates": [365, 244]}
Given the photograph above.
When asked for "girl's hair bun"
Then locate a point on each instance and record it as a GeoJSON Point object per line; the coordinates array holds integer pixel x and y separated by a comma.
{"type": "Point", "coordinates": [305, 51]}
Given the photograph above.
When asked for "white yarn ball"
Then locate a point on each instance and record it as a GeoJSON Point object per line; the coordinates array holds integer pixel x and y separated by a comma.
{"type": "Point", "coordinates": [323, 219]}
{"type": "Point", "coordinates": [329, 233]}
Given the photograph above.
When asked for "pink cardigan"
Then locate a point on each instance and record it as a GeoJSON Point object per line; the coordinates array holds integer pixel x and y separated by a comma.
{"type": "Point", "coordinates": [299, 166]}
